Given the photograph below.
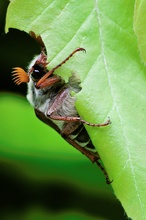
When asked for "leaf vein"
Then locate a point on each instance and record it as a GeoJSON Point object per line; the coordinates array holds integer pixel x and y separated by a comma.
{"type": "Point", "coordinates": [114, 101]}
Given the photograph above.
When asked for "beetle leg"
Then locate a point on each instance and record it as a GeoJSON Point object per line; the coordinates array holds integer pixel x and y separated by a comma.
{"type": "Point", "coordinates": [59, 65]}
{"type": "Point", "coordinates": [56, 105]}
{"type": "Point", "coordinates": [77, 119]}
{"type": "Point", "coordinates": [48, 82]}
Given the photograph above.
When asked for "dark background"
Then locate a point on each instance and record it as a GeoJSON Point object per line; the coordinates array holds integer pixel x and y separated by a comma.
{"type": "Point", "coordinates": [20, 192]}
{"type": "Point", "coordinates": [17, 49]}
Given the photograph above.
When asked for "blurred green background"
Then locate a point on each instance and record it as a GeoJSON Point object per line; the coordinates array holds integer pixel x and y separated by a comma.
{"type": "Point", "coordinates": [41, 176]}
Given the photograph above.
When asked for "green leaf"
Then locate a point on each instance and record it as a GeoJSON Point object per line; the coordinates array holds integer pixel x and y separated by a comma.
{"type": "Point", "coordinates": [139, 26]}
{"type": "Point", "coordinates": [113, 80]}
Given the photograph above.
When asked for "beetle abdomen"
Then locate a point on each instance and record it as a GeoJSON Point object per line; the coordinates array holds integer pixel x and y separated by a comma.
{"type": "Point", "coordinates": [81, 137]}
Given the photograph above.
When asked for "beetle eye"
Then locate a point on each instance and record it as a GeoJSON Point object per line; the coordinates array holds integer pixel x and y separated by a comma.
{"type": "Point", "coordinates": [38, 72]}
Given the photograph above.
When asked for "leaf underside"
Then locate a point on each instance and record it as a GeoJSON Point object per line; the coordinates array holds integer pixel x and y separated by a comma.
{"type": "Point", "coordinates": [113, 80]}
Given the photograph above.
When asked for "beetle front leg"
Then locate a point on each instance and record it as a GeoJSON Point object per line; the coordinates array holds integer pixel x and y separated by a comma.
{"type": "Point", "coordinates": [59, 65]}
{"type": "Point", "coordinates": [48, 82]}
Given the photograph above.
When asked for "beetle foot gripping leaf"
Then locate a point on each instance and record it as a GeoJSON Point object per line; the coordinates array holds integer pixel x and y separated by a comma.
{"type": "Point", "coordinates": [108, 181]}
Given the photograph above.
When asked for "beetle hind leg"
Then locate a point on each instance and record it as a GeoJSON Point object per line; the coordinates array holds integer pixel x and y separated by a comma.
{"type": "Point", "coordinates": [108, 181]}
